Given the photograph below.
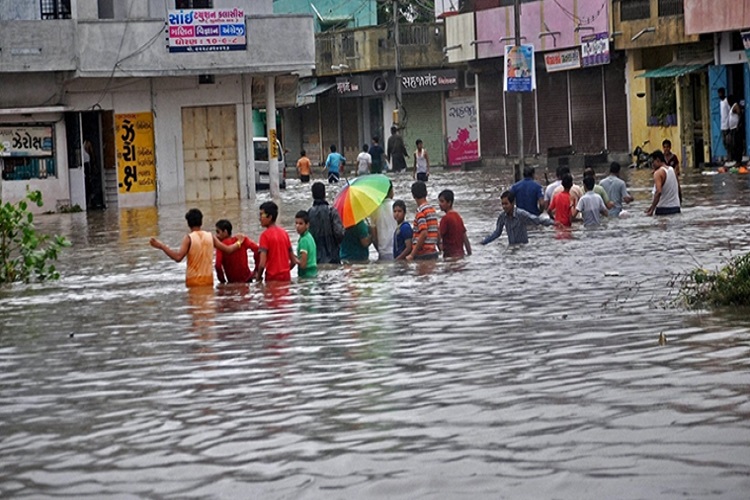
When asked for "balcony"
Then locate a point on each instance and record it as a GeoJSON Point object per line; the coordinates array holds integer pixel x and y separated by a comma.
{"type": "Point", "coordinates": [37, 46]}
{"type": "Point", "coordinates": [373, 48]}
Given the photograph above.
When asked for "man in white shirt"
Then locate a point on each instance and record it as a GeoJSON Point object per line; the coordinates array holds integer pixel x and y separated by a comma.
{"type": "Point", "coordinates": [725, 109]}
{"type": "Point", "coordinates": [364, 161]}
{"type": "Point", "coordinates": [383, 227]}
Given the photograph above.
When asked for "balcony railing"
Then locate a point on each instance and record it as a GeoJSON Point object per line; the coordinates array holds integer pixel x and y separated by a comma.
{"type": "Point", "coordinates": [631, 10]}
{"type": "Point", "coordinates": [671, 7]}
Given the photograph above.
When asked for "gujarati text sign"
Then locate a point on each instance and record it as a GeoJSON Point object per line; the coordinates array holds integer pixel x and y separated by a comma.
{"type": "Point", "coordinates": [26, 141]}
{"type": "Point", "coordinates": [206, 30]}
{"type": "Point", "coordinates": [563, 60]}
{"type": "Point", "coordinates": [134, 140]}
{"type": "Point", "coordinates": [595, 49]}
{"type": "Point", "coordinates": [463, 134]}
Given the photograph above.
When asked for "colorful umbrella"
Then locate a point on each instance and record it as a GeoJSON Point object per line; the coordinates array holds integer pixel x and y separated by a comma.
{"type": "Point", "coordinates": [360, 198]}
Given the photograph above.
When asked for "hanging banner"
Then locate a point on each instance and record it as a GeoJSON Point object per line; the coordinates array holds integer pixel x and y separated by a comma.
{"type": "Point", "coordinates": [520, 74]}
{"type": "Point", "coordinates": [136, 165]}
{"type": "Point", "coordinates": [25, 141]}
{"type": "Point", "coordinates": [563, 60]}
{"type": "Point", "coordinates": [461, 125]}
{"type": "Point", "coordinates": [595, 49]}
{"type": "Point", "coordinates": [206, 30]}
{"type": "Point", "coordinates": [746, 44]}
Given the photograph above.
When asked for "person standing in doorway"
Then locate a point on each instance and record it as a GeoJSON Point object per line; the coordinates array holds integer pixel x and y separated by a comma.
{"type": "Point", "coordinates": [735, 113]}
{"type": "Point", "coordinates": [396, 151]}
{"type": "Point", "coordinates": [725, 108]}
{"type": "Point", "coordinates": [421, 163]}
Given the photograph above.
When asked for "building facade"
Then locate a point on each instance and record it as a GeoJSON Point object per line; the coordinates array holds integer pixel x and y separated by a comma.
{"type": "Point", "coordinates": [121, 103]}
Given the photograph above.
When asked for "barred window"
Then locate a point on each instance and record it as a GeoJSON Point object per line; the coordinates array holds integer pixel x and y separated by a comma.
{"type": "Point", "coordinates": [194, 4]}
{"type": "Point", "coordinates": [670, 7]}
{"type": "Point", "coordinates": [55, 9]}
{"type": "Point", "coordinates": [634, 9]}
{"type": "Point", "coordinates": [414, 35]}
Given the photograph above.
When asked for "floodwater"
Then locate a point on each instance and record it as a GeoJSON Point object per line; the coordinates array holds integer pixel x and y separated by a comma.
{"type": "Point", "coordinates": [526, 372]}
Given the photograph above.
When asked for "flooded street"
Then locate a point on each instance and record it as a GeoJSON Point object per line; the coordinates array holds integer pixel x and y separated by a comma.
{"type": "Point", "coordinates": [525, 372]}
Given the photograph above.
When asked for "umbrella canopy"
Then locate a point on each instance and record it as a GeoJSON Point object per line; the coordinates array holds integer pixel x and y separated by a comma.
{"type": "Point", "coordinates": [361, 198]}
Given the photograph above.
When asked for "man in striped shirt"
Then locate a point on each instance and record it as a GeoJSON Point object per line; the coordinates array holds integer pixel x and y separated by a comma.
{"type": "Point", "coordinates": [426, 228]}
{"type": "Point", "coordinates": [514, 221]}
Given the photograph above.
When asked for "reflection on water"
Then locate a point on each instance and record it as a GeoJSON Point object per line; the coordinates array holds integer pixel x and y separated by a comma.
{"type": "Point", "coordinates": [525, 372]}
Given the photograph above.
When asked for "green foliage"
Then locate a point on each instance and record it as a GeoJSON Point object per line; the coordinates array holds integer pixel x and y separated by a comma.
{"type": "Point", "coordinates": [25, 253]}
{"type": "Point", "coordinates": [730, 286]}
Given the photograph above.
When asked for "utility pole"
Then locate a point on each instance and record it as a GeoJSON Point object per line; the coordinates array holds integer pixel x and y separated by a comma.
{"type": "Point", "coordinates": [519, 96]}
{"type": "Point", "coordinates": [397, 113]}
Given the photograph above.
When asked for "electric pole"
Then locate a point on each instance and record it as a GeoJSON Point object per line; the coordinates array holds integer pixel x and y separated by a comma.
{"type": "Point", "coordinates": [519, 96]}
{"type": "Point", "coordinates": [397, 113]}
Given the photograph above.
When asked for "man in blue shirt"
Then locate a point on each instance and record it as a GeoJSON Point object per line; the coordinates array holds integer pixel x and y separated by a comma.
{"type": "Point", "coordinates": [334, 163]}
{"type": "Point", "coordinates": [514, 221]}
{"type": "Point", "coordinates": [528, 192]}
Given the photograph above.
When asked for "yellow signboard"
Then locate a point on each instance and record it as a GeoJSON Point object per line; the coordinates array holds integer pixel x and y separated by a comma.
{"type": "Point", "coordinates": [136, 163]}
{"type": "Point", "coordinates": [274, 145]}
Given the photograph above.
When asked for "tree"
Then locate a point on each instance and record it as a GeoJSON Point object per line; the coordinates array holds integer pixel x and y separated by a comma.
{"type": "Point", "coordinates": [25, 254]}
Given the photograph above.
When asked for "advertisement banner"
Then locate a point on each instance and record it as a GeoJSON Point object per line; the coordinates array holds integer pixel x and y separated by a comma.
{"type": "Point", "coordinates": [563, 60]}
{"type": "Point", "coordinates": [437, 80]}
{"type": "Point", "coordinates": [26, 141]}
{"type": "Point", "coordinates": [206, 30]}
{"type": "Point", "coordinates": [595, 49]}
{"type": "Point", "coordinates": [520, 75]}
{"type": "Point", "coordinates": [746, 43]}
{"type": "Point", "coordinates": [134, 142]}
{"type": "Point", "coordinates": [461, 125]}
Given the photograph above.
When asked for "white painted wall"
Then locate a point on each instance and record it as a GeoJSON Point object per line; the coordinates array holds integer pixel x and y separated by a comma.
{"type": "Point", "coordinates": [727, 56]}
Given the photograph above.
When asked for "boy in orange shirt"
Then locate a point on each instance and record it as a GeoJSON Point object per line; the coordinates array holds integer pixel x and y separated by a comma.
{"type": "Point", "coordinates": [304, 167]}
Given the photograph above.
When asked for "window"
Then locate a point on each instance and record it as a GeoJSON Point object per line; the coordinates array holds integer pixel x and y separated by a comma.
{"type": "Point", "coordinates": [193, 4]}
{"type": "Point", "coordinates": [635, 9]}
{"type": "Point", "coordinates": [55, 9]}
{"type": "Point", "coordinates": [670, 7]}
{"type": "Point", "coordinates": [663, 102]}
{"type": "Point", "coordinates": [735, 42]}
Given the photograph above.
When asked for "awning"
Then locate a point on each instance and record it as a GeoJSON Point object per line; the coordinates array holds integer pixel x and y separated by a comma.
{"type": "Point", "coordinates": [675, 69]}
{"type": "Point", "coordinates": [318, 89]}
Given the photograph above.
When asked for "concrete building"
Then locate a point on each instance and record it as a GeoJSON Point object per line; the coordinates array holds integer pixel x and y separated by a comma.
{"type": "Point", "coordinates": [578, 105]}
{"type": "Point", "coordinates": [137, 103]}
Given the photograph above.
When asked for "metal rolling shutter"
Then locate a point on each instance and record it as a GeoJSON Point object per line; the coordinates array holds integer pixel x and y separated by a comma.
{"type": "Point", "coordinates": [587, 109]}
{"type": "Point", "coordinates": [617, 106]}
{"type": "Point", "coordinates": [425, 121]}
{"type": "Point", "coordinates": [491, 124]}
{"type": "Point", "coordinates": [552, 98]}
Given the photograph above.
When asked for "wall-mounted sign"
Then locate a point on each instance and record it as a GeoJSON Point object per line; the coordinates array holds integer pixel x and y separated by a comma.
{"type": "Point", "coordinates": [520, 72]}
{"type": "Point", "coordinates": [206, 30]}
{"type": "Point", "coordinates": [349, 86]}
{"type": "Point", "coordinates": [134, 141]}
{"type": "Point", "coordinates": [595, 49]}
{"type": "Point", "coordinates": [563, 60]}
{"type": "Point", "coordinates": [429, 81]}
{"type": "Point", "coordinates": [461, 126]}
{"type": "Point", "coordinates": [26, 141]}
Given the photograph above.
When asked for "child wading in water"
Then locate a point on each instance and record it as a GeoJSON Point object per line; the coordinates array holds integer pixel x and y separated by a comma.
{"type": "Point", "coordinates": [198, 246]}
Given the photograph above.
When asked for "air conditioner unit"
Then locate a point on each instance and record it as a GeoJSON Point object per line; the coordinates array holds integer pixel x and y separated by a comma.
{"type": "Point", "coordinates": [469, 79]}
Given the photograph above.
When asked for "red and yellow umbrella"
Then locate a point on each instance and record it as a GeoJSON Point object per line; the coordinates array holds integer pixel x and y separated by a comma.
{"type": "Point", "coordinates": [361, 198]}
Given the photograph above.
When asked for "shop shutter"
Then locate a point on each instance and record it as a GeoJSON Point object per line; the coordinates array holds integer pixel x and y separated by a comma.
{"type": "Point", "coordinates": [587, 109]}
{"type": "Point", "coordinates": [491, 123]}
{"type": "Point", "coordinates": [425, 121]}
{"type": "Point", "coordinates": [554, 128]}
{"type": "Point", "coordinates": [617, 105]}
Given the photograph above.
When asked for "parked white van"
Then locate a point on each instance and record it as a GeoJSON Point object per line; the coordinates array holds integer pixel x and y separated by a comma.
{"type": "Point", "coordinates": [262, 179]}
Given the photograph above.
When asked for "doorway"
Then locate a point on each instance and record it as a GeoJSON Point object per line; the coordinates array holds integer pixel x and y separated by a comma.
{"type": "Point", "coordinates": [84, 137]}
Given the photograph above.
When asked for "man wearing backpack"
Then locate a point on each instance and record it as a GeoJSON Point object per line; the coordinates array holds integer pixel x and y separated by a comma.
{"type": "Point", "coordinates": [325, 226]}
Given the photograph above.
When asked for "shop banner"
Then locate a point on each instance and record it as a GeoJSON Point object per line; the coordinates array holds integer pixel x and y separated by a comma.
{"type": "Point", "coordinates": [595, 49]}
{"type": "Point", "coordinates": [429, 81]}
{"type": "Point", "coordinates": [746, 43]}
{"type": "Point", "coordinates": [26, 141]}
{"type": "Point", "coordinates": [136, 165]}
{"type": "Point", "coordinates": [461, 124]}
{"type": "Point", "coordinates": [349, 86]}
{"type": "Point", "coordinates": [520, 75]}
{"type": "Point", "coordinates": [563, 60]}
{"type": "Point", "coordinates": [206, 30]}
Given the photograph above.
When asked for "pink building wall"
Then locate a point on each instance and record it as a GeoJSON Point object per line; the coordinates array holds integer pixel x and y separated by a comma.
{"type": "Point", "coordinates": [713, 16]}
{"type": "Point", "coordinates": [561, 16]}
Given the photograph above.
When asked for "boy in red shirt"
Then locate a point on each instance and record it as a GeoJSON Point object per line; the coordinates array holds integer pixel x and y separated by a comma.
{"type": "Point", "coordinates": [234, 266]}
{"type": "Point", "coordinates": [276, 253]}
{"type": "Point", "coordinates": [562, 204]}
{"type": "Point", "coordinates": [452, 230]}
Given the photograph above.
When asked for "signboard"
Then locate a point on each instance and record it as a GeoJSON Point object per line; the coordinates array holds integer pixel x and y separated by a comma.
{"type": "Point", "coordinates": [349, 86]}
{"type": "Point", "coordinates": [563, 60]}
{"type": "Point", "coordinates": [134, 141]}
{"type": "Point", "coordinates": [461, 126]}
{"type": "Point", "coordinates": [26, 141]}
{"type": "Point", "coordinates": [595, 49]}
{"type": "Point", "coordinates": [274, 145]}
{"type": "Point", "coordinates": [206, 30]}
{"type": "Point", "coordinates": [519, 68]}
{"type": "Point", "coordinates": [429, 81]}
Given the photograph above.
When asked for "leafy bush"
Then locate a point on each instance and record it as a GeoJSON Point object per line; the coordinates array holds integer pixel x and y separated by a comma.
{"type": "Point", "coordinates": [730, 286]}
{"type": "Point", "coordinates": [24, 253]}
